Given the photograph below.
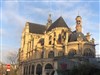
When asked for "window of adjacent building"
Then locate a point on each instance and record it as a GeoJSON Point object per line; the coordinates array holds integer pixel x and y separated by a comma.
{"type": "Point", "coordinates": [51, 54]}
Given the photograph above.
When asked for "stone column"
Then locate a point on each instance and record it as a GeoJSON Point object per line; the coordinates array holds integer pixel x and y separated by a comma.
{"type": "Point", "coordinates": [66, 44]}
{"type": "Point", "coordinates": [35, 69]}
{"type": "Point", "coordinates": [66, 49]}
{"type": "Point", "coordinates": [55, 65]}
{"type": "Point", "coordinates": [55, 51]}
{"type": "Point", "coordinates": [44, 56]}
{"type": "Point", "coordinates": [43, 69]}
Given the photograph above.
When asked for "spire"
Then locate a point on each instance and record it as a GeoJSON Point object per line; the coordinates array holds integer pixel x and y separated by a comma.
{"type": "Point", "coordinates": [49, 21]}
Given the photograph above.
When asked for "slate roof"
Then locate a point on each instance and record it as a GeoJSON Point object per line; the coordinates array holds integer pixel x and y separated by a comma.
{"type": "Point", "coordinates": [58, 23]}
{"type": "Point", "coordinates": [74, 36]}
{"type": "Point", "coordinates": [36, 28]}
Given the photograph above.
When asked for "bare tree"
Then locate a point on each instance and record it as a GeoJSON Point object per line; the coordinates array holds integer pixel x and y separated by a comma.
{"type": "Point", "coordinates": [12, 57]}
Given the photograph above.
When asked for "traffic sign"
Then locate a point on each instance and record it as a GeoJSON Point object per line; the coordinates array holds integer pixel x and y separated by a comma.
{"type": "Point", "coordinates": [8, 67]}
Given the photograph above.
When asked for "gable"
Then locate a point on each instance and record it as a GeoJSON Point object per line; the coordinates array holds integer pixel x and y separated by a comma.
{"type": "Point", "coordinates": [58, 23]}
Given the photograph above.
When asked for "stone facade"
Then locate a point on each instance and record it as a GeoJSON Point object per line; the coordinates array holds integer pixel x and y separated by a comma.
{"type": "Point", "coordinates": [40, 44]}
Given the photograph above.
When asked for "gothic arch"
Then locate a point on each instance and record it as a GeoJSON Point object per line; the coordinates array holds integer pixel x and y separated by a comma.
{"type": "Point", "coordinates": [72, 52]}
{"type": "Point", "coordinates": [51, 54]}
{"type": "Point", "coordinates": [88, 52]}
{"type": "Point", "coordinates": [48, 66]}
{"type": "Point", "coordinates": [48, 69]}
{"type": "Point", "coordinates": [39, 69]}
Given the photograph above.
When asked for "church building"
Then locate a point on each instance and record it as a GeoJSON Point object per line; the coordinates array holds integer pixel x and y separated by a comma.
{"type": "Point", "coordinates": [43, 45]}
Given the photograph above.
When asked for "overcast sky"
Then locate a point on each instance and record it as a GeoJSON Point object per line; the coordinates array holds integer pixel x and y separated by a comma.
{"type": "Point", "coordinates": [15, 13]}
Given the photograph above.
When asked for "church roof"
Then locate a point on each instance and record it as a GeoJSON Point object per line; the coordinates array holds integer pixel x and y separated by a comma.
{"type": "Point", "coordinates": [36, 28]}
{"type": "Point", "coordinates": [75, 35]}
{"type": "Point", "coordinates": [58, 23]}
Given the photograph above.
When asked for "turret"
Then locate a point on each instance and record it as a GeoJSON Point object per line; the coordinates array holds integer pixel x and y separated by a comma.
{"type": "Point", "coordinates": [88, 36]}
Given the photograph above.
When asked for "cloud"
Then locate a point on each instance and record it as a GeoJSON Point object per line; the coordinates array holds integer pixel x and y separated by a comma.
{"type": "Point", "coordinates": [5, 50]}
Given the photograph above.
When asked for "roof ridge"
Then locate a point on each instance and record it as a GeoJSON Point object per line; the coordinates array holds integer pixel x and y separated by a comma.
{"type": "Point", "coordinates": [60, 22]}
{"type": "Point", "coordinates": [37, 24]}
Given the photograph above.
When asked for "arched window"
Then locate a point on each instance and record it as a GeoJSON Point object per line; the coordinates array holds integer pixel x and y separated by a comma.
{"type": "Point", "coordinates": [54, 34]}
{"type": "Point", "coordinates": [88, 52]}
{"type": "Point", "coordinates": [60, 53]}
{"type": "Point", "coordinates": [50, 40]}
{"type": "Point", "coordinates": [54, 39]}
{"type": "Point", "coordinates": [42, 53]}
{"type": "Point", "coordinates": [59, 39]}
{"type": "Point", "coordinates": [63, 35]}
{"type": "Point", "coordinates": [48, 66]}
{"type": "Point", "coordinates": [39, 70]}
{"type": "Point", "coordinates": [72, 52]}
{"type": "Point", "coordinates": [32, 42]}
{"type": "Point", "coordinates": [62, 30]}
{"type": "Point", "coordinates": [51, 54]}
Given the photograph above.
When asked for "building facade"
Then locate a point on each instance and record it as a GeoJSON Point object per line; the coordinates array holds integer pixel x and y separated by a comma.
{"type": "Point", "coordinates": [40, 44]}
